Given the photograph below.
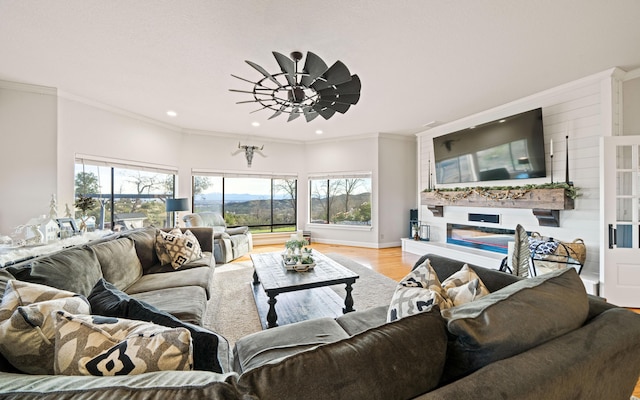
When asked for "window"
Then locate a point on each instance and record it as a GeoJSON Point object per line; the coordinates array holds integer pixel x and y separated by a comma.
{"type": "Point", "coordinates": [341, 200]}
{"type": "Point", "coordinates": [264, 204]}
{"type": "Point", "coordinates": [127, 197]}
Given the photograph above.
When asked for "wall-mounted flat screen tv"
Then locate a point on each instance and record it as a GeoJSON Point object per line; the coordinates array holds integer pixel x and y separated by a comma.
{"type": "Point", "coordinates": [508, 148]}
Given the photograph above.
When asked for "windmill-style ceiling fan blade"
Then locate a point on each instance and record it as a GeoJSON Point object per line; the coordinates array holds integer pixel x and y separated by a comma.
{"type": "Point", "coordinates": [326, 113]}
{"type": "Point", "coordinates": [351, 87]}
{"type": "Point", "coordinates": [294, 114]}
{"type": "Point", "coordinates": [314, 67]}
{"type": "Point", "coordinates": [310, 114]}
{"type": "Point", "coordinates": [264, 72]}
{"type": "Point", "coordinates": [337, 74]}
{"type": "Point", "coordinates": [339, 107]}
{"type": "Point", "coordinates": [278, 112]}
{"type": "Point", "coordinates": [343, 99]}
{"type": "Point", "coordinates": [287, 66]}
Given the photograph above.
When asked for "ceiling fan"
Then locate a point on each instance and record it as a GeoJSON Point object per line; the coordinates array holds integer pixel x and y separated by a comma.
{"type": "Point", "coordinates": [315, 90]}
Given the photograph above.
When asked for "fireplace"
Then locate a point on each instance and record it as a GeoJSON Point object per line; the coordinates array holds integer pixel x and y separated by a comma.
{"type": "Point", "coordinates": [480, 237]}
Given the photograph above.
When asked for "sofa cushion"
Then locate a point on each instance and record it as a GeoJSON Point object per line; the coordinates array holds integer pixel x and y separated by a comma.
{"type": "Point", "coordinates": [200, 276]}
{"type": "Point", "coordinates": [144, 240]}
{"type": "Point", "coordinates": [75, 269]}
{"type": "Point", "coordinates": [210, 351]}
{"type": "Point", "coordinates": [119, 262]}
{"type": "Point", "coordinates": [187, 303]}
{"type": "Point", "coordinates": [106, 346]}
{"type": "Point", "coordinates": [513, 320]}
{"type": "Point", "coordinates": [173, 385]}
{"type": "Point", "coordinates": [464, 286]}
{"type": "Point", "coordinates": [27, 327]}
{"type": "Point", "coordinates": [359, 321]}
{"type": "Point", "coordinates": [392, 361]}
{"type": "Point", "coordinates": [205, 261]}
{"type": "Point", "coordinates": [417, 292]}
{"type": "Point", "coordinates": [261, 347]}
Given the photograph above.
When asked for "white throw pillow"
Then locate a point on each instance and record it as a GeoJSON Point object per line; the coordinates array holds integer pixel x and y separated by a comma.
{"type": "Point", "coordinates": [418, 292]}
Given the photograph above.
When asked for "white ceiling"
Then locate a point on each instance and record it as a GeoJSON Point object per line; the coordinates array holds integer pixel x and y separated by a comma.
{"type": "Point", "coordinates": [418, 60]}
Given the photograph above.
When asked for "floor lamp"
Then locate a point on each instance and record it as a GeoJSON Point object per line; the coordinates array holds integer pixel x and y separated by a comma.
{"type": "Point", "coordinates": [175, 205]}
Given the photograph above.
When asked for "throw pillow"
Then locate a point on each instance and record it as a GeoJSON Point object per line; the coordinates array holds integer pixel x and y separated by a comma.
{"type": "Point", "coordinates": [75, 269]}
{"type": "Point", "coordinates": [27, 327]}
{"type": "Point", "coordinates": [512, 320]}
{"type": "Point", "coordinates": [105, 346]}
{"type": "Point", "coordinates": [210, 351]}
{"type": "Point", "coordinates": [464, 286]}
{"type": "Point", "coordinates": [161, 250]}
{"type": "Point", "coordinates": [179, 248]}
{"type": "Point", "coordinates": [417, 292]}
{"type": "Point", "coordinates": [119, 261]}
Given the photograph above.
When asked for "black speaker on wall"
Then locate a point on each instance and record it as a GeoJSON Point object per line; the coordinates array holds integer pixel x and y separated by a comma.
{"type": "Point", "coordinates": [492, 218]}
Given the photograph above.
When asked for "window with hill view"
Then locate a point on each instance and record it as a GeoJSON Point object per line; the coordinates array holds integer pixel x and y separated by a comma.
{"type": "Point", "coordinates": [125, 198]}
{"type": "Point", "coordinates": [262, 204]}
{"type": "Point", "coordinates": [342, 201]}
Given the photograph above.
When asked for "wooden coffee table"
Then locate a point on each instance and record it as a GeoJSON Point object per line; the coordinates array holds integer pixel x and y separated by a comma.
{"type": "Point", "coordinates": [275, 279]}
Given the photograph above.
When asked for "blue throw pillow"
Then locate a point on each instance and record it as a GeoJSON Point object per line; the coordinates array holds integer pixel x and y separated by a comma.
{"type": "Point", "coordinates": [107, 300]}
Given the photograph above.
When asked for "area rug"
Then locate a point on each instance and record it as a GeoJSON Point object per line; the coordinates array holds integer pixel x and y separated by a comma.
{"type": "Point", "coordinates": [232, 311]}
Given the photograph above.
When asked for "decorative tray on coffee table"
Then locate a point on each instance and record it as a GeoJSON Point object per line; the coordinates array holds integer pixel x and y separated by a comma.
{"type": "Point", "coordinates": [297, 266]}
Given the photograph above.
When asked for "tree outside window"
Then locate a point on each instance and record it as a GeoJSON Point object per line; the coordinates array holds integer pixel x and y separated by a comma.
{"type": "Point", "coordinates": [344, 201]}
{"type": "Point", "coordinates": [126, 198]}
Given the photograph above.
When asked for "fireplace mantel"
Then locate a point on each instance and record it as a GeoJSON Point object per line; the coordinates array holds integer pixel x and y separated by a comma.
{"type": "Point", "coordinates": [546, 204]}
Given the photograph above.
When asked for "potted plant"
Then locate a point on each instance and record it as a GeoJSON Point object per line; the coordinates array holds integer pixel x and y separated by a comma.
{"type": "Point", "coordinates": [84, 203]}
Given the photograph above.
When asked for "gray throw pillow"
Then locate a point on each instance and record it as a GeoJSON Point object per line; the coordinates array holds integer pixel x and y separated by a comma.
{"type": "Point", "coordinates": [512, 320]}
{"type": "Point", "coordinates": [75, 269]}
{"type": "Point", "coordinates": [119, 262]}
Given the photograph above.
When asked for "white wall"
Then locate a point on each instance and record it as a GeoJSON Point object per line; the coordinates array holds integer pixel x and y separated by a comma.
{"type": "Point", "coordinates": [583, 110]}
{"type": "Point", "coordinates": [69, 126]}
{"type": "Point", "coordinates": [397, 187]}
{"type": "Point", "coordinates": [631, 104]}
{"type": "Point", "coordinates": [28, 119]}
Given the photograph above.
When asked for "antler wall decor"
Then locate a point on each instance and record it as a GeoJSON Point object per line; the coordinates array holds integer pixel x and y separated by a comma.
{"type": "Point", "coordinates": [248, 152]}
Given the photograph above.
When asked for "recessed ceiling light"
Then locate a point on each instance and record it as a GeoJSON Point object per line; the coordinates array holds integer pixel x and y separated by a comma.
{"type": "Point", "coordinates": [502, 120]}
{"type": "Point", "coordinates": [256, 124]}
{"type": "Point", "coordinates": [172, 113]}
{"type": "Point", "coordinates": [319, 132]}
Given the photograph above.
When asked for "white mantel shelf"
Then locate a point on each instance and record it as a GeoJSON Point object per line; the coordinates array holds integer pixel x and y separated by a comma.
{"type": "Point", "coordinates": [544, 203]}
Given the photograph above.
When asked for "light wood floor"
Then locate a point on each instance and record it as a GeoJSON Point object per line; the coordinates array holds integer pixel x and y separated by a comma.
{"type": "Point", "coordinates": [392, 262]}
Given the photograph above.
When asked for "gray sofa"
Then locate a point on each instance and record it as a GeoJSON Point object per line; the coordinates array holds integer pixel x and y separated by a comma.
{"type": "Point", "coordinates": [229, 243]}
{"type": "Point", "coordinates": [536, 338]}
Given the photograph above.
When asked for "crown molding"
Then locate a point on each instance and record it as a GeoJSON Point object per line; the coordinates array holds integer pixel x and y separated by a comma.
{"type": "Point", "coordinates": [27, 87]}
{"type": "Point", "coordinates": [117, 110]}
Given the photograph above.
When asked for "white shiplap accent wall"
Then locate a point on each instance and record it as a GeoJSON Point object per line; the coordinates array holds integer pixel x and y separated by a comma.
{"type": "Point", "coordinates": [582, 110]}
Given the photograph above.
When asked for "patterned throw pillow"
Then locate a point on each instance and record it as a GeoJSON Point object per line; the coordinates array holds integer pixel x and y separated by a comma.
{"type": "Point", "coordinates": [27, 323]}
{"type": "Point", "coordinates": [105, 346]}
{"type": "Point", "coordinates": [161, 250]}
{"type": "Point", "coordinates": [179, 248]}
{"type": "Point", "coordinates": [419, 291]}
{"type": "Point", "coordinates": [464, 286]}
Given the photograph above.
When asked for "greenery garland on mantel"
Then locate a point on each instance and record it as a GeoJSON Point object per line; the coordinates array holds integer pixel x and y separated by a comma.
{"type": "Point", "coordinates": [507, 192]}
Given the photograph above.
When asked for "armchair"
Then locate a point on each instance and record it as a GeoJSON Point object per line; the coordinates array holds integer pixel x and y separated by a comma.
{"type": "Point", "coordinates": [228, 243]}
